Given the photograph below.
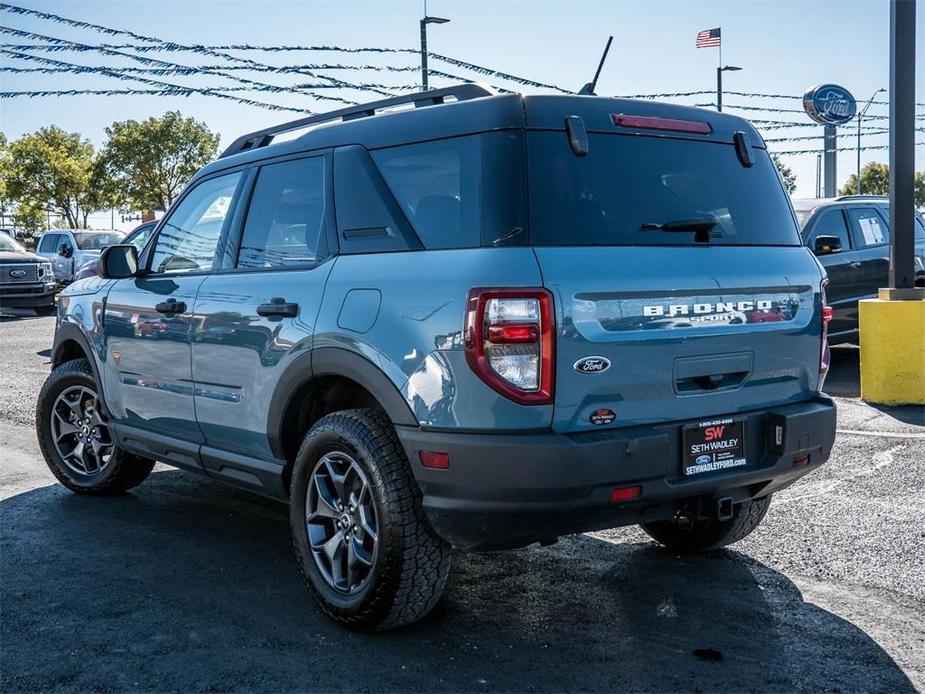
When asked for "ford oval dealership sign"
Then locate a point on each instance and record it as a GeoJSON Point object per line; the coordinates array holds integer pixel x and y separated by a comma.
{"type": "Point", "coordinates": [830, 104]}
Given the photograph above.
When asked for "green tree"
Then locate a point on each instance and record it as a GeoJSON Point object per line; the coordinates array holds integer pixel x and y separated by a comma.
{"type": "Point", "coordinates": [5, 202]}
{"type": "Point", "coordinates": [30, 217]}
{"type": "Point", "coordinates": [875, 180]}
{"type": "Point", "coordinates": [790, 178]}
{"type": "Point", "coordinates": [53, 169]}
{"type": "Point", "coordinates": [152, 160]}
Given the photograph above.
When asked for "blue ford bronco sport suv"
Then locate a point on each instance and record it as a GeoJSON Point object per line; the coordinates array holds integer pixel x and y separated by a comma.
{"type": "Point", "coordinates": [460, 320]}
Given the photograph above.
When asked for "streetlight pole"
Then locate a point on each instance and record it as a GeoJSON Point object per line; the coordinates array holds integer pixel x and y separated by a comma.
{"type": "Point", "coordinates": [860, 118]}
{"type": "Point", "coordinates": [719, 83]}
{"type": "Point", "coordinates": [424, 22]}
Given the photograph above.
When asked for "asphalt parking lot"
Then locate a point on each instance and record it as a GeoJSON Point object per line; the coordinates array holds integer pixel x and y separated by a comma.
{"type": "Point", "coordinates": [188, 585]}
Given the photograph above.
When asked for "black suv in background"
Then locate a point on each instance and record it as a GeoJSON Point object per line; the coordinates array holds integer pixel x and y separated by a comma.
{"type": "Point", "coordinates": [851, 235]}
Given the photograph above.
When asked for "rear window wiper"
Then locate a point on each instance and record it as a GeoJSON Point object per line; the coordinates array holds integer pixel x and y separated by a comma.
{"type": "Point", "coordinates": [700, 225]}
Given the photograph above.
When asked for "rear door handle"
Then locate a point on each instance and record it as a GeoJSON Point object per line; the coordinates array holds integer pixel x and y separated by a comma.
{"type": "Point", "coordinates": [170, 307]}
{"type": "Point", "coordinates": [278, 307]}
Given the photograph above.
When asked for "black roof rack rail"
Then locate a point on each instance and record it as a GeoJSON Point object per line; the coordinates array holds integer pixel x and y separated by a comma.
{"type": "Point", "coordinates": [261, 138]}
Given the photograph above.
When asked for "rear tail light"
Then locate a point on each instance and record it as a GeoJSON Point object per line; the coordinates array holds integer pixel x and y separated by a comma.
{"type": "Point", "coordinates": [510, 342]}
{"type": "Point", "coordinates": [824, 356]}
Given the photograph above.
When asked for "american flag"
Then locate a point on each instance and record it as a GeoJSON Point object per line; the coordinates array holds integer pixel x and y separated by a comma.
{"type": "Point", "coordinates": [708, 38]}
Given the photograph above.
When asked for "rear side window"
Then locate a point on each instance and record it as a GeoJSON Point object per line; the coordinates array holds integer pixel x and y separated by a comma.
{"type": "Point", "coordinates": [285, 221]}
{"type": "Point", "coordinates": [830, 223]}
{"type": "Point", "coordinates": [627, 181]}
{"type": "Point", "coordinates": [867, 227]}
{"type": "Point", "coordinates": [460, 192]}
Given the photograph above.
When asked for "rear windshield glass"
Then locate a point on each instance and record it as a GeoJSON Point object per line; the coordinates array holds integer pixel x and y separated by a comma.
{"type": "Point", "coordinates": [460, 192]}
{"type": "Point", "coordinates": [627, 181]}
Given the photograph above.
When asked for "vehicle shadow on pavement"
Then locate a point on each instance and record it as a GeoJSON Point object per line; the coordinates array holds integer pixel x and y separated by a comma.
{"type": "Point", "coordinates": [187, 585]}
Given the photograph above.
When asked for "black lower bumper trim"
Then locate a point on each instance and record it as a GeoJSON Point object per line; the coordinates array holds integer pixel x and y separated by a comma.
{"type": "Point", "coordinates": [510, 490]}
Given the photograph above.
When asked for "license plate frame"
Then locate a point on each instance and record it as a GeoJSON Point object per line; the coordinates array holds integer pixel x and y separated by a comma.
{"type": "Point", "coordinates": [713, 446]}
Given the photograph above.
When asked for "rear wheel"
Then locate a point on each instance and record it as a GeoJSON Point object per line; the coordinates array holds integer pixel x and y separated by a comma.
{"type": "Point", "coordinates": [74, 438]}
{"type": "Point", "coordinates": [712, 534]}
{"type": "Point", "coordinates": [369, 557]}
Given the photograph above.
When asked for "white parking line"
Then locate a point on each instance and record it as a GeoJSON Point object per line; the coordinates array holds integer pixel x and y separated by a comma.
{"type": "Point", "coordinates": [885, 434]}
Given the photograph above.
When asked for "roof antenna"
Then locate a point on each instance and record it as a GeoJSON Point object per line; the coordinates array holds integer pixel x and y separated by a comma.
{"type": "Point", "coordinates": [588, 89]}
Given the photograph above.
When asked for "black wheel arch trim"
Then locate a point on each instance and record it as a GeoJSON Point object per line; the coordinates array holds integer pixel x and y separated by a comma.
{"type": "Point", "coordinates": [68, 332]}
{"type": "Point", "coordinates": [334, 361]}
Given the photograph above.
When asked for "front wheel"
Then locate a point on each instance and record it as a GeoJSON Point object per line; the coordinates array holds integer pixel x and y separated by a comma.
{"type": "Point", "coordinates": [74, 437]}
{"type": "Point", "coordinates": [368, 555]}
{"type": "Point", "coordinates": [713, 534]}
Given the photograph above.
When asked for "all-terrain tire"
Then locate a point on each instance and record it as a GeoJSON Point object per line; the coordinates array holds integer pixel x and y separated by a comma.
{"type": "Point", "coordinates": [122, 472]}
{"type": "Point", "coordinates": [713, 535]}
{"type": "Point", "coordinates": [411, 562]}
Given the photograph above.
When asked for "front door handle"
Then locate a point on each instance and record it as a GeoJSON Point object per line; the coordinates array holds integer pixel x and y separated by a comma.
{"type": "Point", "coordinates": [170, 307]}
{"type": "Point", "coordinates": [277, 308]}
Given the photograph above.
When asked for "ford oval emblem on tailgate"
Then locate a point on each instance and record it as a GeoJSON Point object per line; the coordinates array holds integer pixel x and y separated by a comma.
{"type": "Point", "coordinates": [592, 365]}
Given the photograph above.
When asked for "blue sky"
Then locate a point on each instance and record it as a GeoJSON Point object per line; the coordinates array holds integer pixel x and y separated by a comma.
{"type": "Point", "coordinates": [783, 48]}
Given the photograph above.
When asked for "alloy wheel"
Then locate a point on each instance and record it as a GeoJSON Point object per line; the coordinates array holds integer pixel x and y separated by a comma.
{"type": "Point", "coordinates": [340, 517]}
{"type": "Point", "coordinates": [79, 431]}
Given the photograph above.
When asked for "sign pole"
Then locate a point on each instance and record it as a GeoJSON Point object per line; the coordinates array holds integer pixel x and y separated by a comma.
{"type": "Point", "coordinates": [831, 154]}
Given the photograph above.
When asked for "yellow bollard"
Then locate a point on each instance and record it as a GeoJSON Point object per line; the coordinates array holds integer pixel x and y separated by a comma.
{"type": "Point", "coordinates": [893, 349]}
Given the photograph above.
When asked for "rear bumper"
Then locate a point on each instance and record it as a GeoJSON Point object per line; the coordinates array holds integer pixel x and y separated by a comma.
{"type": "Point", "coordinates": [510, 490]}
{"type": "Point", "coordinates": [27, 296]}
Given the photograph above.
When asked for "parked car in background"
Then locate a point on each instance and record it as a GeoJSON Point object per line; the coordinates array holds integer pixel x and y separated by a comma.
{"type": "Point", "coordinates": [70, 249]}
{"type": "Point", "coordinates": [138, 237]}
{"type": "Point", "coordinates": [26, 279]}
{"type": "Point", "coordinates": [851, 235]}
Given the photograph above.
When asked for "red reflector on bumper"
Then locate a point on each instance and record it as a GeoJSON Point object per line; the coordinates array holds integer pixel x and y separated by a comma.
{"type": "Point", "coordinates": [801, 460]}
{"type": "Point", "coordinates": [435, 460]}
{"type": "Point", "coordinates": [625, 494]}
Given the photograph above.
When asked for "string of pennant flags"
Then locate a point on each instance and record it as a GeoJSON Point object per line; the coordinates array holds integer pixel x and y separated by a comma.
{"type": "Point", "coordinates": [322, 86]}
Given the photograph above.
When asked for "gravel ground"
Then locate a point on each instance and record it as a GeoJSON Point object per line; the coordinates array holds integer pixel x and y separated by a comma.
{"type": "Point", "coordinates": [188, 585]}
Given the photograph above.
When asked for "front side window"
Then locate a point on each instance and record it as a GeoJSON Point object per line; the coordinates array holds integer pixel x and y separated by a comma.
{"type": "Point", "coordinates": [830, 223]}
{"type": "Point", "coordinates": [285, 220]}
{"type": "Point", "coordinates": [139, 237]}
{"type": "Point", "coordinates": [867, 227]}
{"type": "Point", "coordinates": [189, 237]}
{"type": "Point", "coordinates": [49, 243]}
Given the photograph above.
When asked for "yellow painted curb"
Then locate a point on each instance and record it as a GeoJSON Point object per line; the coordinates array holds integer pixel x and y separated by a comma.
{"type": "Point", "coordinates": [892, 351]}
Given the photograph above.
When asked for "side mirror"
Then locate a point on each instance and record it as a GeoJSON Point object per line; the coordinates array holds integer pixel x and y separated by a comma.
{"type": "Point", "coordinates": [64, 251]}
{"type": "Point", "coordinates": [117, 262]}
{"type": "Point", "coordinates": [827, 244]}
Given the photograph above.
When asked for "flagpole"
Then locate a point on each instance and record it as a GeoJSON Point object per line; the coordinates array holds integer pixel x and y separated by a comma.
{"type": "Point", "coordinates": [719, 74]}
